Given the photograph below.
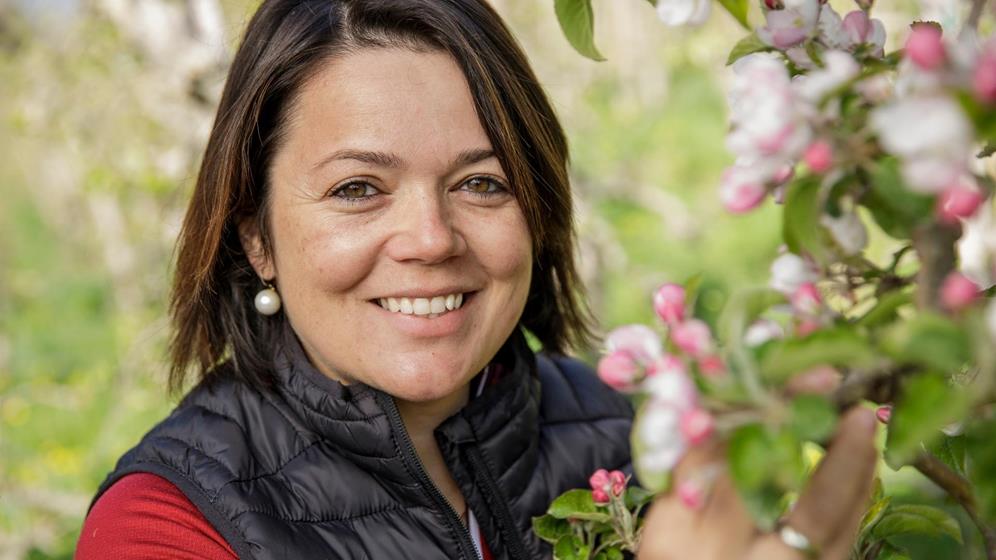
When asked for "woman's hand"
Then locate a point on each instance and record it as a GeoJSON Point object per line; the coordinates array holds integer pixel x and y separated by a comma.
{"type": "Point", "coordinates": [827, 513]}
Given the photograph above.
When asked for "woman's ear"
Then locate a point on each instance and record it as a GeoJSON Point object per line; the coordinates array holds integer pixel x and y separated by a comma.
{"type": "Point", "coordinates": [252, 243]}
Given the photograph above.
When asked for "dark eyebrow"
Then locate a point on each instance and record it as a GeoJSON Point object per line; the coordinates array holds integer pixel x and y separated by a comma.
{"type": "Point", "coordinates": [393, 161]}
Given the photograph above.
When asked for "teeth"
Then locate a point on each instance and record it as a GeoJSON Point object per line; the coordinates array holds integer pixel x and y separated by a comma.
{"type": "Point", "coordinates": [422, 307]}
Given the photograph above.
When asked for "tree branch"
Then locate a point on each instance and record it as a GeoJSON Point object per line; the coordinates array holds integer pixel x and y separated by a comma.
{"type": "Point", "coordinates": [959, 489]}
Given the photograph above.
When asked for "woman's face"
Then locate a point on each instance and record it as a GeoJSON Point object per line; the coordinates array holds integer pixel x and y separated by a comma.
{"type": "Point", "coordinates": [387, 208]}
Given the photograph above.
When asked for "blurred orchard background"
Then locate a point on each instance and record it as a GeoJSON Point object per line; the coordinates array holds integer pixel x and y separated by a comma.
{"type": "Point", "coordinates": [105, 106]}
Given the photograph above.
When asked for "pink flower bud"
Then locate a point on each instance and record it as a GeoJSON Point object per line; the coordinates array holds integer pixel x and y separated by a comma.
{"type": "Point", "coordinates": [984, 75]}
{"type": "Point", "coordinates": [925, 47]}
{"type": "Point", "coordinates": [691, 494]}
{"type": "Point", "coordinates": [639, 341]}
{"type": "Point", "coordinates": [618, 481]}
{"type": "Point", "coordinates": [599, 482]}
{"type": "Point", "coordinates": [783, 175]}
{"type": "Point", "coordinates": [883, 413]}
{"type": "Point", "coordinates": [619, 371]}
{"type": "Point", "coordinates": [807, 326]}
{"type": "Point", "coordinates": [807, 299]}
{"type": "Point", "coordinates": [712, 366]}
{"type": "Point", "coordinates": [693, 337]}
{"type": "Point", "coordinates": [666, 364]}
{"type": "Point", "coordinates": [819, 156]}
{"type": "Point", "coordinates": [958, 202]}
{"type": "Point", "coordinates": [958, 292]}
{"type": "Point", "coordinates": [669, 303]}
{"type": "Point", "coordinates": [697, 426]}
{"type": "Point", "coordinates": [741, 189]}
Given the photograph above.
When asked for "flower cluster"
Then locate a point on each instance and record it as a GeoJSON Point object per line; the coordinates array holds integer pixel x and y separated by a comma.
{"type": "Point", "coordinates": [605, 484]}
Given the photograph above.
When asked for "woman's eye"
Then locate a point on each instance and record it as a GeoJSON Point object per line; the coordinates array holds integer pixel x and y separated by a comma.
{"type": "Point", "coordinates": [484, 186]}
{"type": "Point", "coordinates": [355, 192]}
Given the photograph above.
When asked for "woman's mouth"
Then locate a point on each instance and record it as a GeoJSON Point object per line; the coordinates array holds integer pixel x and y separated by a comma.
{"type": "Point", "coordinates": [428, 307]}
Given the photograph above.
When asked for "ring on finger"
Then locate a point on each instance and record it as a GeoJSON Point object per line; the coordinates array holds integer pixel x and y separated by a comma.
{"type": "Point", "coordinates": [796, 540]}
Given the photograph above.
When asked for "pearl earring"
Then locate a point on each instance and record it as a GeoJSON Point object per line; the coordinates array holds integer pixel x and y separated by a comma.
{"type": "Point", "coordinates": [267, 300]}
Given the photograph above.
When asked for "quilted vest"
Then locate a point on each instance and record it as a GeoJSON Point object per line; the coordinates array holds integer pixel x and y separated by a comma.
{"type": "Point", "coordinates": [314, 469]}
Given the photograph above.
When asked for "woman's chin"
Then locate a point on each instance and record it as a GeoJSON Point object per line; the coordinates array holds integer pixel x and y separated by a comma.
{"type": "Point", "coordinates": [427, 385]}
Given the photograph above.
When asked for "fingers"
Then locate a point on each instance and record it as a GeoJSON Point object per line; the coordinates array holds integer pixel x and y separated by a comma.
{"type": "Point", "coordinates": [831, 506]}
{"type": "Point", "coordinates": [820, 380]}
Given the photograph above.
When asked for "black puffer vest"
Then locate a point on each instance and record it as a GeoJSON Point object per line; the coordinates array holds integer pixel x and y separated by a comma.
{"type": "Point", "coordinates": [315, 469]}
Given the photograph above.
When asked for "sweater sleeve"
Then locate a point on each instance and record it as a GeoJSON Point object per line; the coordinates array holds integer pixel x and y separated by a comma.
{"type": "Point", "coordinates": [145, 516]}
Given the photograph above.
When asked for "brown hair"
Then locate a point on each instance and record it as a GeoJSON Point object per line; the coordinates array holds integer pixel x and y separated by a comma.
{"type": "Point", "coordinates": [286, 42]}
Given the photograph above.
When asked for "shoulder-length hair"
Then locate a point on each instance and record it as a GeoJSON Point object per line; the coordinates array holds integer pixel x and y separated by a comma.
{"type": "Point", "coordinates": [287, 41]}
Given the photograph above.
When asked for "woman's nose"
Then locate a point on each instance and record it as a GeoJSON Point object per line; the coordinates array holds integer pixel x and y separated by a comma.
{"type": "Point", "coordinates": [425, 232]}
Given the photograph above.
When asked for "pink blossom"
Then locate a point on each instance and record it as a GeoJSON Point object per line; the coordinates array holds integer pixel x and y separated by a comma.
{"type": "Point", "coordinates": [925, 47]}
{"type": "Point", "coordinates": [639, 341]}
{"type": "Point", "coordinates": [691, 494]}
{"type": "Point", "coordinates": [838, 68]}
{"type": "Point", "coordinates": [683, 12]}
{"type": "Point", "coordinates": [790, 271]}
{"type": "Point", "coordinates": [669, 303]}
{"type": "Point", "coordinates": [741, 189]}
{"type": "Point", "coordinates": [807, 326]}
{"type": "Point", "coordinates": [958, 202]}
{"type": "Point", "coordinates": [697, 426]}
{"type": "Point", "coordinates": [819, 156]}
{"type": "Point", "coordinates": [619, 371]}
{"type": "Point", "coordinates": [618, 480]}
{"type": "Point", "coordinates": [883, 413]}
{"type": "Point", "coordinates": [783, 175]}
{"type": "Point", "coordinates": [693, 337]}
{"type": "Point", "coordinates": [806, 299]}
{"type": "Point", "coordinates": [791, 25]}
{"type": "Point", "coordinates": [673, 389]}
{"type": "Point", "coordinates": [666, 364]}
{"type": "Point", "coordinates": [863, 30]}
{"type": "Point", "coordinates": [712, 366]}
{"type": "Point", "coordinates": [658, 429]}
{"type": "Point", "coordinates": [958, 292]}
{"type": "Point", "coordinates": [984, 75]}
{"type": "Point", "coordinates": [600, 486]}
{"type": "Point", "coordinates": [762, 331]}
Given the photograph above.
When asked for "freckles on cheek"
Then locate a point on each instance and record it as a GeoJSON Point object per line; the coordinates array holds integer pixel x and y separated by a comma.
{"type": "Point", "coordinates": [338, 259]}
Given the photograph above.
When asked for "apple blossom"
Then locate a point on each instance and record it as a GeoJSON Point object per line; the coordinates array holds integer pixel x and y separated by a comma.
{"type": "Point", "coordinates": [691, 494]}
{"type": "Point", "coordinates": [925, 47]}
{"type": "Point", "coordinates": [863, 30]}
{"type": "Point", "coordinates": [603, 483]}
{"type": "Point", "coordinates": [693, 337]}
{"type": "Point", "coordinates": [790, 271]}
{"type": "Point", "coordinates": [683, 12]}
{"type": "Point", "coordinates": [831, 30]}
{"type": "Point", "coordinates": [669, 303]}
{"type": "Point", "coordinates": [674, 389]}
{"type": "Point", "coordinates": [807, 326]}
{"type": "Point", "coordinates": [712, 366]}
{"type": "Point", "coordinates": [639, 341]}
{"type": "Point", "coordinates": [666, 364]}
{"type": "Point", "coordinates": [697, 426]}
{"type": "Point", "coordinates": [619, 370]}
{"type": "Point", "coordinates": [977, 247]}
{"type": "Point", "coordinates": [957, 202]}
{"type": "Point", "coordinates": [984, 74]}
{"type": "Point", "coordinates": [883, 413]}
{"type": "Point", "coordinates": [819, 156]}
{"type": "Point", "coordinates": [848, 232]}
{"type": "Point", "coordinates": [791, 25]}
{"type": "Point", "coordinates": [742, 189]}
{"type": "Point", "coordinates": [659, 430]}
{"type": "Point", "coordinates": [958, 292]}
{"type": "Point", "coordinates": [762, 331]}
{"type": "Point", "coordinates": [807, 300]}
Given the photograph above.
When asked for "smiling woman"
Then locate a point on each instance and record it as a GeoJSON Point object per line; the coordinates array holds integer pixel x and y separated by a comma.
{"type": "Point", "coordinates": [382, 211]}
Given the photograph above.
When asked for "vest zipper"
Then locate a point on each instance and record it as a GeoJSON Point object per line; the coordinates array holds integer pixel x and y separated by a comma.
{"type": "Point", "coordinates": [411, 458]}
{"type": "Point", "coordinates": [506, 524]}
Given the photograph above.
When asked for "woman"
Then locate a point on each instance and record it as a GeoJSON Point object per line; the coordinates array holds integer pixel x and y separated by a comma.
{"type": "Point", "coordinates": [382, 209]}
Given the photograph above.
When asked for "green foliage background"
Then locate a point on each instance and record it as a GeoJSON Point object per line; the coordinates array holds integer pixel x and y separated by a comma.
{"type": "Point", "coordinates": [98, 148]}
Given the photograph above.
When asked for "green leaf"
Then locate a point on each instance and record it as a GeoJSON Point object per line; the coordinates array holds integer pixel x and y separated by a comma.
{"type": "Point", "coordinates": [812, 418]}
{"type": "Point", "coordinates": [611, 553]}
{"type": "Point", "coordinates": [764, 466]}
{"type": "Point", "coordinates": [874, 514]}
{"type": "Point", "coordinates": [738, 9]}
{"type": "Point", "coordinates": [748, 45]}
{"type": "Point", "coordinates": [930, 340]}
{"type": "Point", "coordinates": [951, 451]}
{"type": "Point", "coordinates": [886, 309]}
{"type": "Point", "coordinates": [892, 552]}
{"type": "Point", "coordinates": [896, 209]}
{"type": "Point", "coordinates": [927, 404]}
{"type": "Point", "coordinates": [570, 547]}
{"type": "Point", "coordinates": [550, 529]}
{"type": "Point", "coordinates": [801, 219]}
{"type": "Point", "coordinates": [636, 497]}
{"type": "Point", "coordinates": [834, 346]}
{"type": "Point", "coordinates": [577, 504]}
{"type": "Point", "coordinates": [917, 519]}
{"type": "Point", "coordinates": [578, 23]}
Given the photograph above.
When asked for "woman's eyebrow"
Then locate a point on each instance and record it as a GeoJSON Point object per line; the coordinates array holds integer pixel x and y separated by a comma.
{"type": "Point", "coordinates": [394, 161]}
